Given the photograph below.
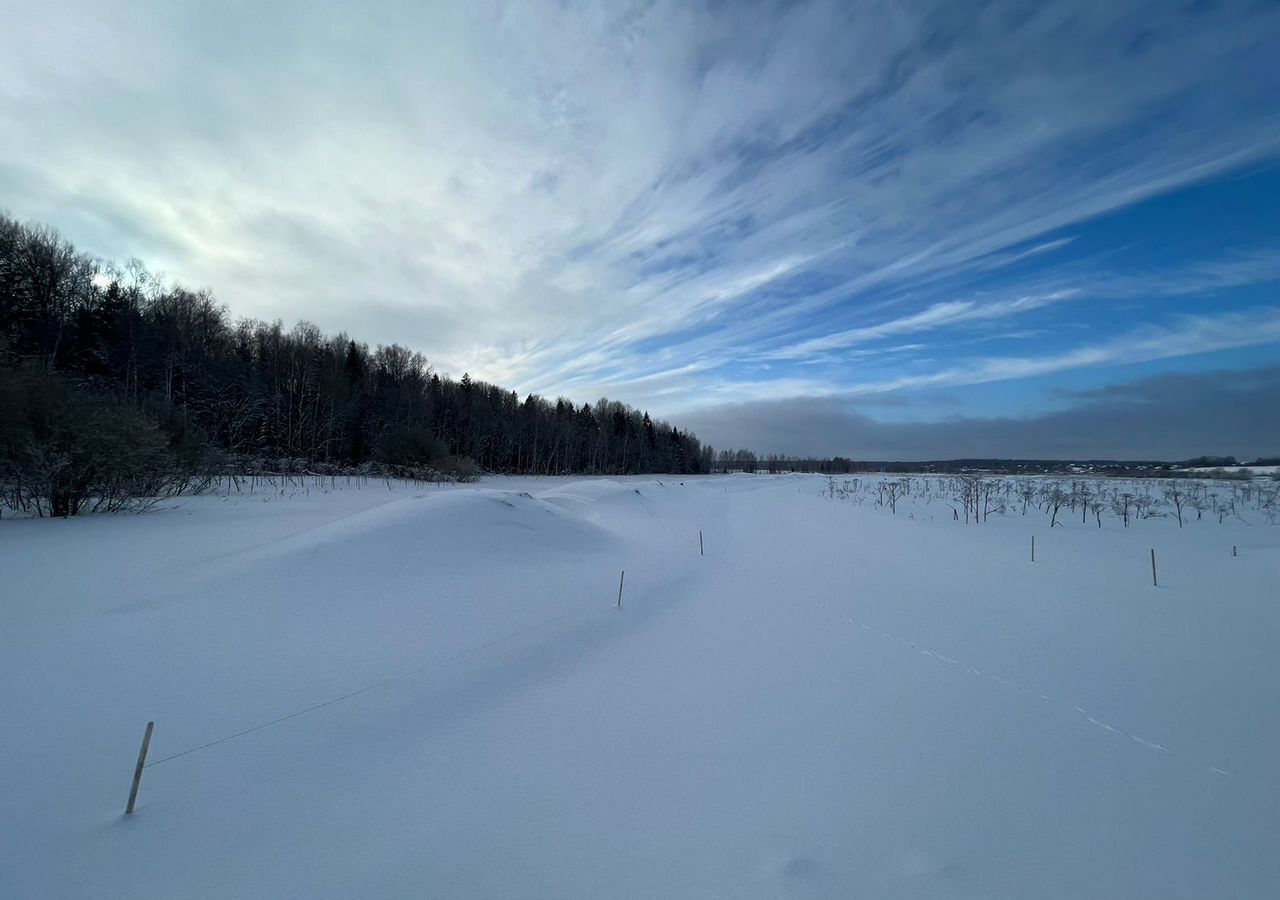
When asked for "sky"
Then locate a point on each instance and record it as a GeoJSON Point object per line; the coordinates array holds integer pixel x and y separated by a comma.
{"type": "Point", "coordinates": [879, 229]}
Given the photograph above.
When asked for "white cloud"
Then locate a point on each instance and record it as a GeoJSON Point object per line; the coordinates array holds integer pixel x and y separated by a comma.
{"type": "Point", "coordinates": [938, 315]}
{"type": "Point", "coordinates": [590, 198]}
{"type": "Point", "coordinates": [1187, 336]}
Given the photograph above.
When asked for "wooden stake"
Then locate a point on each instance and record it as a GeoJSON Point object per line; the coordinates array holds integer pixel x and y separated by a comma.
{"type": "Point", "coordinates": [1233, 550]}
{"type": "Point", "coordinates": [620, 580]}
{"type": "Point", "coordinates": [701, 550]}
{"type": "Point", "coordinates": [1154, 582]}
{"type": "Point", "coordinates": [137, 772]}
{"type": "Point", "coordinates": [1033, 548]}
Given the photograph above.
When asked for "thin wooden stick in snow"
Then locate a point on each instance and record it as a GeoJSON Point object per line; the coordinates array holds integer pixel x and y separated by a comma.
{"type": "Point", "coordinates": [137, 772]}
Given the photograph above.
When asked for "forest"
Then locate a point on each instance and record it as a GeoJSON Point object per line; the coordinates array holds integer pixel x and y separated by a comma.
{"type": "Point", "coordinates": [115, 386]}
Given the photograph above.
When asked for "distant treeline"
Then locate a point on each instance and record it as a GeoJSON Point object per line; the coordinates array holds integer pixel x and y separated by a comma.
{"type": "Point", "coordinates": [746, 461]}
{"type": "Point", "coordinates": [86, 345]}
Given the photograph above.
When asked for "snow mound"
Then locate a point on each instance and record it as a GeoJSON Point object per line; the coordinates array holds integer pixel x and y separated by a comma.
{"type": "Point", "coordinates": [463, 521]}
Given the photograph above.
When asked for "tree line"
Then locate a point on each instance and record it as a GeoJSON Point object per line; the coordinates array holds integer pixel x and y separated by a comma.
{"type": "Point", "coordinates": [114, 383]}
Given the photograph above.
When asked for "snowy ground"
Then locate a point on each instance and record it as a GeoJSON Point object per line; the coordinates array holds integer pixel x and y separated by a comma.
{"type": "Point", "coordinates": [835, 701]}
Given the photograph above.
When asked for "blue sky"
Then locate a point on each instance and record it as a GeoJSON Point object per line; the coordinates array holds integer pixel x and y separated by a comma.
{"type": "Point", "coordinates": [793, 226]}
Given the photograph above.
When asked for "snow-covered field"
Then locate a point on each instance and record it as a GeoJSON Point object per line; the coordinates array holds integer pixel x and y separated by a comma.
{"type": "Point", "coordinates": [1248, 470]}
{"type": "Point", "coordinates": [835, 701]}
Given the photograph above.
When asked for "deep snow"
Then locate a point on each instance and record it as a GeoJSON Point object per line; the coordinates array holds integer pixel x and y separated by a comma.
{"type": "Point", "coordinates": [834, 702]}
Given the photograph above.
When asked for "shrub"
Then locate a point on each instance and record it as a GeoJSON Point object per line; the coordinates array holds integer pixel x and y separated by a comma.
{"type": "Point", "coordinates": [65, 448]}
{"type": "Point", "coordinates": [408, 445]}
{"type": "Point", "coordinates": [459, 468]}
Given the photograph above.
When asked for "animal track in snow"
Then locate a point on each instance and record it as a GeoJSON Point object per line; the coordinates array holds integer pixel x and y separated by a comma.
{"type": "Point", "coordinates": [1080, 710]}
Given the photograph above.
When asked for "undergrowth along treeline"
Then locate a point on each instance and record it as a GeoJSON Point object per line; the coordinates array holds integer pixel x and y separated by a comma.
{"type": "Point", "coordinates": [115, 387]}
